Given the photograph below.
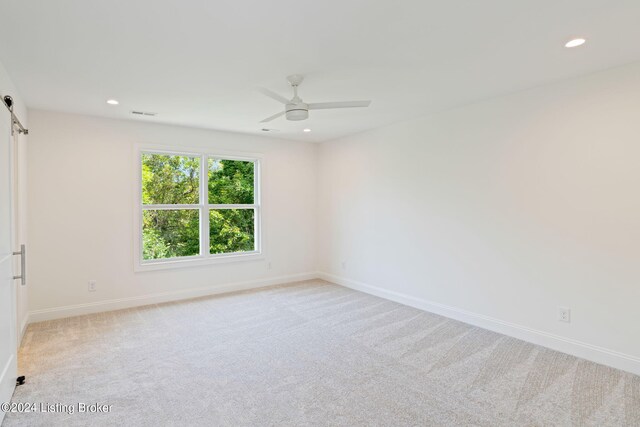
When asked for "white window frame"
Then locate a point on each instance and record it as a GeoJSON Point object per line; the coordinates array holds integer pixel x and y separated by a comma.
{"type": "Point", "coordinates": [203, 207]}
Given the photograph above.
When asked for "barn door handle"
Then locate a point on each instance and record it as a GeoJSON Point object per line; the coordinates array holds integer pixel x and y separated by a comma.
{"type": "Point", "coordinates": [23, 261]}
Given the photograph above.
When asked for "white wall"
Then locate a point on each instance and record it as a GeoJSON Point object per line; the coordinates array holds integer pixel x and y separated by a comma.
{"type": "Point", "coordinates": [499, 212]}
{"type": "Point", "coordinates": [20, 109]}
{"type": "Point", "coordinates": [81, 186]}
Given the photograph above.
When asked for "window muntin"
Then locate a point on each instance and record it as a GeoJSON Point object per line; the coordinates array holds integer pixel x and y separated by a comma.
{"type": "Point", "coordinates": [184, 217]}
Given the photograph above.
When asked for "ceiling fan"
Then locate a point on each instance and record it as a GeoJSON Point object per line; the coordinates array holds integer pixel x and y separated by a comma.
{"type": "Point", "coordinates": [295, 109]}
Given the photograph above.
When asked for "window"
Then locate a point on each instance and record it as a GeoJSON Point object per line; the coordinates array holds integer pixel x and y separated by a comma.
{"type": "Point", "coordinates": [196, 207]}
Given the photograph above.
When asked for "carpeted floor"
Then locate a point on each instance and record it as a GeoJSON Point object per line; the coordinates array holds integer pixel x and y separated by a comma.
{"type": "Point", "coordinates": [310, 353]}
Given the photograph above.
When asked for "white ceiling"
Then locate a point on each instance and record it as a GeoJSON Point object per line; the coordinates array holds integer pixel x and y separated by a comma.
{"type": "Point", "coordinates": [197, 62]}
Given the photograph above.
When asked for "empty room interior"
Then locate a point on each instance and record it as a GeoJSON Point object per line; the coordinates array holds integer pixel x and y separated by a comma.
{"type": "Point", "coordinates": [295, 212]}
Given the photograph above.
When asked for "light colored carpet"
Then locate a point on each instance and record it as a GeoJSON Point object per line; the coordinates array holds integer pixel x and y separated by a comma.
{"type": "Point", "coordinates": [310, 353]}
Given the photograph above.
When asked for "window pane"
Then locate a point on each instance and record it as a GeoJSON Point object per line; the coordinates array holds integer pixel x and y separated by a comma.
{"type": "Point", "coordinates": [170, 179]}
{"type": "Point", "coordinates": [231, 230]}
{"type": "Point", "coordinates": [170, 233]}
{"type": "Point", "coordinates": [230, 182]}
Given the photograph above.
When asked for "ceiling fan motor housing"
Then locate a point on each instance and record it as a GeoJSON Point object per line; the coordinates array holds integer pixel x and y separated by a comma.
{"type": "Point", "coordinates": [296, 110]}
{"type": "Point", "coordinates": [299, 111]}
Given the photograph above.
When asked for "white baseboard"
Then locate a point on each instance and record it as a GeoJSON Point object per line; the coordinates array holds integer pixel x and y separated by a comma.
{"type": "Point", "coordinates": [576, 348]}
{"type": "Point", "coordinates": [120, 303]}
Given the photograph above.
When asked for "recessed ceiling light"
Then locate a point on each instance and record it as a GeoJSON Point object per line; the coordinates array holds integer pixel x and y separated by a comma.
{"type": "Point", "coordinates": [575, 43]}
{"type": "Point", "coordinates": [306, 130]}
{"type": "Point", "coordinates": [112, 102]}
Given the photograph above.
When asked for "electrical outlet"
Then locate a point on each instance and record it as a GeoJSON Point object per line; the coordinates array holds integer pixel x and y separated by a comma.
{"type": "Point", "coordinates": [564, 314]}
{"type": "Point", "coordinates": [92, 285]}
{"type": "Point", "coordinates": [269, 265]}
{"type": "Point", "coordinates": [343, 264]}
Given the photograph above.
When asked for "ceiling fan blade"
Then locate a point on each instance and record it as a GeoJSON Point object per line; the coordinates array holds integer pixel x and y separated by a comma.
{"type": "Point", "coordinates": [271, 94]}
{"type": "Point", "coordinates": [346, 104]}
{"type": "Point", "coordinates": [275, 116]}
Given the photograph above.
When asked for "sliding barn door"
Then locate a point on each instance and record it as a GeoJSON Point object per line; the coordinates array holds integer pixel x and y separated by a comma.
{"type": "Point", "coordinates": [8, 350]}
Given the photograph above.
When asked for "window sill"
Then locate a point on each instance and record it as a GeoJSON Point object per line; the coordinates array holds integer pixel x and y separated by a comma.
{"type": "Point", "coordinates": [196, 261]}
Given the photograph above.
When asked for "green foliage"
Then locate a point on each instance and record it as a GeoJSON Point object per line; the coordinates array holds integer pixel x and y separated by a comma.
{"type": "Point", "coordinates": [230, 182]}
{"type": "Point", "coordinates": [170, 233]}
{"type": "Point", "coordinates": [231, 230]}
{"type": "Point", "coordinates": [170, 179]}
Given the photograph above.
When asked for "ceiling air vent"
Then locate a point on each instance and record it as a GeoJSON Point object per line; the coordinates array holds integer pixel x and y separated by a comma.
{"type": "Point", "coordinates": [143, 113]}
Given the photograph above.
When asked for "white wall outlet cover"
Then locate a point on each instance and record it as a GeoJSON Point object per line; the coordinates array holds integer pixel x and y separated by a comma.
{"type": "Point", "coordinates": [92, 285]}
{"type": "Point", "coordinates": [564, 314]}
